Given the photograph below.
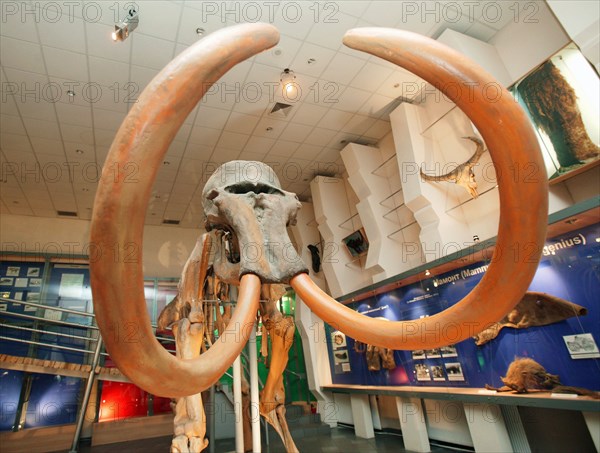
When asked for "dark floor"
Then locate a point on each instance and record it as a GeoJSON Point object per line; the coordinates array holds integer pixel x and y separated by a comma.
{"type": "Point", "coordinates": [341, 440]}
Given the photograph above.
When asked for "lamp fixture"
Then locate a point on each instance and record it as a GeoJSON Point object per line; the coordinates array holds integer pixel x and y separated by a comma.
{"type": "Point", "coordinates": [288, 84]}
{"type": "Point", "coordinates": [427, 273]}
{"type": "Point", "coordinates": [126, 26]}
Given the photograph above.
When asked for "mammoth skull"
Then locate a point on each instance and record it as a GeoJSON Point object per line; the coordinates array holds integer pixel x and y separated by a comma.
{"type": "Point", "coordinates": [144, 138]}
{"type": "Point", "coordinates": [244, 200]}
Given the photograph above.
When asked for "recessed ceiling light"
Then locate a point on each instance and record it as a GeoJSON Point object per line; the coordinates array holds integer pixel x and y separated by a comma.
{"type": "Point", "coordinates": [269, 129]}
{"type": "Point", "coordinates": [571, 221]}
{"type": "Point", "coordinates": [79, 151]}
{"type": "Point", "coordinates": [166, 162]}
{"type": "Point", "coordinates": [85, 189]}
{"type": "Point", "coordinates": [311, 61]}
{"type": "Point", "coordinates": [396, 85]}
{"type": "Point", "coordinates": [277, 52]}
{"type": "Point", "coordinates": [71, 93]}
{"type": "Point", "coordinates": [200, 31]}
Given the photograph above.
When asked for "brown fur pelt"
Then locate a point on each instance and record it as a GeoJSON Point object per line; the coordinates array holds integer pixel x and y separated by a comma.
{"type": "Point", "coordinates": [525, 374]}
{"type": "Point", "coordinates": [552, 103]}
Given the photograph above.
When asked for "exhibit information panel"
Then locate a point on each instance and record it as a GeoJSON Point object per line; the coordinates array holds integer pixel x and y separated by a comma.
{"type": "Point", "coordinates": [566, 345]}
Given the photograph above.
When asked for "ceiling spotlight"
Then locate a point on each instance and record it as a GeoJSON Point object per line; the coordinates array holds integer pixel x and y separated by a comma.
{"type": "Point", "coordinates": [427, 273]}
{"type": "Point", "coordinates": [200, 31]}
{"type": "Point", "coordinates": [126, 26]}
{"type": "Point", "coordinates": [71, 93]}
{"type": "Point", "coordinates": [475, 238]}
{"type": "Point", "coordinates": [288, 83]}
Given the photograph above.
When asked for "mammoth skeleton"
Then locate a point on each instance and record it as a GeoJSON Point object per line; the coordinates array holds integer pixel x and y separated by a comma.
{"type": "Point", "coordinates": [149, 128]}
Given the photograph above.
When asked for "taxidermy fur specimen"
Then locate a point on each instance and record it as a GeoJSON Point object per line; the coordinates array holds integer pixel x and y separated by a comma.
{"type": "Point", "coordinates": [376, 356]}
{"type": "Point", "coordinates": [552, 103]}
{"type": "Point", "coordinates": [535, 309]}
{"type": "Point", "coordinates": [526, 374]}
{"type": "Point", "coordinates": [247, 209]}
{"type": "Point", "coordinates": [463, 174]}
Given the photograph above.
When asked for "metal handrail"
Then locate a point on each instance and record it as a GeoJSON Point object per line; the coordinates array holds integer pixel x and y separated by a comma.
{"type": "Point", "coordinates": [53, 321]}
{"type": "Point", "coordinates": [29, 329]}
{"type": "Point", "coordinates": [48, 307]}
{"type": "Point", "coordinates": [46, 345]}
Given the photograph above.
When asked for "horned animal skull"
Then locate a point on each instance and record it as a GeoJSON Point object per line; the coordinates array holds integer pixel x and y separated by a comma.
{"type": "Point", "coordinates": [244, 199]}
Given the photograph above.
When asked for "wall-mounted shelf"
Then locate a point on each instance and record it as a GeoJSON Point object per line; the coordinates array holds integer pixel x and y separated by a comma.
{"type": "Point", "coordinates": [346, 221]}
{"type": "Point", "coordinates": [392, 210]}
{"type": "Point", "coordinates": [471, 199]}
{"type": "Point", "coordinates": [357, 261]}
{"type": "Point", "coordinates": [400, 229]}
{"type": "Point", "coordinates": [312, 223]}
{"type": "Point", "coordinates": [382, 202]}
{"type": "Point", "coordinates": [384, 166]}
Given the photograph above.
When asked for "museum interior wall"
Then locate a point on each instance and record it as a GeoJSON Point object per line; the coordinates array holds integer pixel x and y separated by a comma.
{"type": "Point", "coordinates": [408, 223]}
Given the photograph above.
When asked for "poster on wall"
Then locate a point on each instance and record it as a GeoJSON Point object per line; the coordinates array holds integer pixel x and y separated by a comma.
{"type": "Point", "coordinates": [449, 351]}
{"type": "Point", "coordinates": [33, 272]}
{"type": "Point", "coordinates": [582, 346]}
{"type": "Point", "coordinates": [418, 354]}
{"type": "Point", "coordinates": [35, 282]}
{"type": "Point", "coordinates": [13, 271]}
{"type": "Point", "coordinates": [21, 283]}
{"type": "Point", "coordinates": [71, 285]}
{"type": "Point", "coordinates": [4, 281]}
{"type": "Point", "coordinates": [433, 353]}
{"type": "Point", "coordinates": [422, 372]}
{"type": "Point", "coordinates": [338, 339]}
{"type": "Point", "coordinates": [437, 372]}
{"type": "Point", "coordinates": [341, 361]}
{"type": "Point", "coordinates": [454, 371]}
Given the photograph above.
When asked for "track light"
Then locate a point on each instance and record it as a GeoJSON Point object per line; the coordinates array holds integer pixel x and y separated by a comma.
{"type": "Point", "coordinates": [288, 84]}
{"type": "Point", "coordinates": [126, 26]}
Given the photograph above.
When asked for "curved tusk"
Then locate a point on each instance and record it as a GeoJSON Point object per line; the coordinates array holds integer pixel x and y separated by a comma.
{"type": "Point", "coordinates": [523, 191]}
{"type": "Point", "coordinates": [118, 221]}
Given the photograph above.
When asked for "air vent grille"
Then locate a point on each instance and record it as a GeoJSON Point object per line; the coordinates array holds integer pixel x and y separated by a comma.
{"type": "Point", "coordinates": [170, 222]}
{"type": "Point", "coordinates": [67, 213]}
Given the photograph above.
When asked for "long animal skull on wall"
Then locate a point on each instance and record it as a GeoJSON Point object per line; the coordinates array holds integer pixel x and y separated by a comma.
{"type": "Point", "coordinates": [143, 140]}
{"type": "Point", "coordinates": [462, 175]}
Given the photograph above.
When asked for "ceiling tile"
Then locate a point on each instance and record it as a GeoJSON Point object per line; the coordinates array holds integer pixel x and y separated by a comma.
{"type": "Point", "coordinates": [73, 114]}
{"type": "Point", "coordinates": [330, 27]}
{"type": "Point", "coordinates": [42, 129]}
{"type": "Point", "coordinates": [204, 136]}
{"type": "Point", "coordinates": [353, 8]}
{"type": "Point", "coordinates": [371, 76]}
{"type": "Point", "coordinates": [211, 117]}
{"type": "Point", "coordinates": [378, 13]}
{"type": "Point", "coordinates": [54, 148]}
{"type": "Point", "coordinates": [110, 74]}
{"type": "Point", "coordinates": [258, 145]}
{"type": "Point", "coordinates": [376, 105]}
{"type": "Point", "coordinates": [343, 68]}
{"type": "Point", "coordinates": [21, 55]}
{"type": "Point", "coordinates": [142, 76]}
{"type": "Point", "coordinates": [242, 123]}
{"type": "Point", "coordinates": [159, 18]}
{"type": "Point", "coordinates": [14, 26]}
{"type": "Point", "coordinates": [359, 124]}
{"type": "Point", "coordinates": [309, 114]}
{"type": "Point", "coordinates": [107, 119]}
{"type": "Point", "coordinates": [335, 119]}
{"type": "Point", "coordinates": [65, 33]}
{"type": "Point", "coordinates": [497, 15]}
{"type": "Point", "coordinates": [312, 59]}
{"type": "Point", "coordinates": [282, 55]}
{"type": "Point", "coordinates": [11, 124]}
{"type": "Point", "coordinates": [401, 83]}
{"type": "Point", "coordinates": [152, 52]}
{"type": "Point", "coordinates": [296, 132]}
{"type": "Point", "coordinates": [192, 19]}
{"type": "Point", "coordinates": [74, 133]}
{"type": "Point", "coordinates": [232, 140]}
{"type": "Point", "coordinates": [294, 18]}
{"type": "Point", "coordinates": [283, 148]}
{"type": "Point", "coordinates": [308, 152]}
{"type": "Point", "coordinates": [275, 127]}
{"type": "Point", "coordinates": [103, 137]}
{"type": "Point", "coordinates": [224, 155]}
{"type": "Point", "coordinates": [329, 155]}
{"type": "Point", "coordinates": [320, 136]}
{"type": "Point", "coordinates": [351, 99]}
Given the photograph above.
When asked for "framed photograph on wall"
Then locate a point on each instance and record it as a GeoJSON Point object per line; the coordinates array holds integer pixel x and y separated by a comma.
{"type": "Point", "coordinates": [357, 243]}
